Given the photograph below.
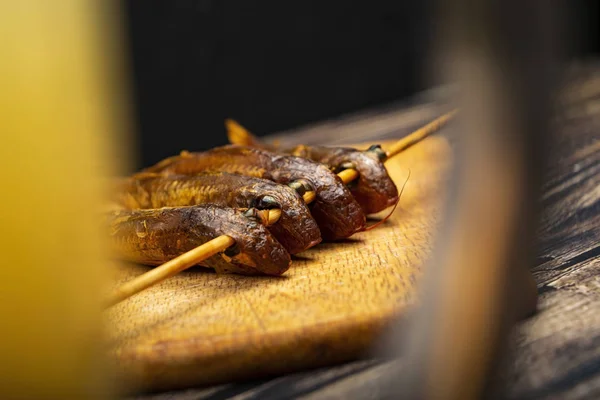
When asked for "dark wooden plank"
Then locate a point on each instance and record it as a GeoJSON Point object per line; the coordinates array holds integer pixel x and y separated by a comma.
{"type": "Point", "coordinates": [292, 385]}
{"type": "Point", "coordinates": [558, 352]}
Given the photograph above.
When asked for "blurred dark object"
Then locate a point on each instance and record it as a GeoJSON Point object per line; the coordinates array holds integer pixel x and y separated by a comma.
{"type": "Point", "coordinates": [585, 25]}
{"type": "Point", "coordinates": [270, 65]}
{"type": "Point", "coordinates": [505, 57]}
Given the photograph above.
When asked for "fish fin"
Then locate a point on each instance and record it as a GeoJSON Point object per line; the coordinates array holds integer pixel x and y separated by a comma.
{"type": "Point", "coordinates": [239, 135]}
{"type": "Point", "coordinates": [146, 175]}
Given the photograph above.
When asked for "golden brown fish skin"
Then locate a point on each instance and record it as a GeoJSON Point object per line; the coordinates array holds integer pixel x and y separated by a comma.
{"type": "Point", "coordinates": [374, 190]}
{"type": "Point", "coordinates": [156, 236]}
{"type": "Point", "coordinates": [296, 229]}
{"type": "Point", "coordinates": [336, 211]}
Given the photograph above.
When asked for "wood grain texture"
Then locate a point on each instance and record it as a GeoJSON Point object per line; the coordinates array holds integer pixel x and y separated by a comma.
{"type": "Point", "coordinates": [201, 328]}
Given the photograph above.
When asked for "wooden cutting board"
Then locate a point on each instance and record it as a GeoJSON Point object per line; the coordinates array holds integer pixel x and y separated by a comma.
{"type": "Point", "coordinates": [200, 328]}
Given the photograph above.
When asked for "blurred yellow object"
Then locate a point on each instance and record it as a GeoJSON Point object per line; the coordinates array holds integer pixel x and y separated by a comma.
{"type": "Point", "coordinates": [58, 117]}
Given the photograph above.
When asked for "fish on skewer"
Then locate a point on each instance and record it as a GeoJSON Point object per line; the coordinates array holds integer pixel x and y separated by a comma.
{"type": "Point", "coordinates": [226, 243]}
{"type": "Point", "coordinates": [374, 189]}
{"type": "Point", "coordinates": [155, 236]}
{"type": "Point", "coordinates": [296, 229]}
{"type": "Point", "coordinates": [336, 211]}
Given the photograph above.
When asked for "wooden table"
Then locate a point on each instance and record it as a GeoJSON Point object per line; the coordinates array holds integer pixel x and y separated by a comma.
{"type": "Point", "coordinates": [556, 353]}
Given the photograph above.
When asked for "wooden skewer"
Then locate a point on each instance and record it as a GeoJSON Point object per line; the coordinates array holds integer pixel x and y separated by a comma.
{"type": "Point", "coordinates": [170, 268]}
{"type": "Point", "coordinates": [309, 196]}
{"type": "Point", "coordinates": [348, 175]}
{"type": "Point", "coordinates": [420, 134]}
{"type": "Point", "coordinates": [273, 216]}
{"type": "Point", "coordinates": [238, 134]}
{"type": "Point", "coordinates": [221, 243]}
{"type": "Point", "coordinates": [182, 262]}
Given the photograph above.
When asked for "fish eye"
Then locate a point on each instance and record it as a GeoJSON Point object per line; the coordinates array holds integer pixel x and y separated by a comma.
{"type": "Point", "coordinates": [232, 251]}
{"type": "Point", "coordinates": [378, 151]}
{"type": "Point", "coordinates": [265, 202]}
{"type": "Point", "coordinates": [302, 186]}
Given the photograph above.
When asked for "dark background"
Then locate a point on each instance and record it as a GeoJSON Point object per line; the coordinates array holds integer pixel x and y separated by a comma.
{"type": "Point", "coordinates": [274, 65]}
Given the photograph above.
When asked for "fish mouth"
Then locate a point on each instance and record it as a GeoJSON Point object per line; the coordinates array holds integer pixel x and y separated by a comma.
{"type": "Point", "coordinates": [296, 229]}
{"type": "Point", "coordinates": [373, 205]}
{"type": "Point", "coordinates": [298, 240]}
{"type": "Point", "coordinates": [249, 266]}
{"type": "Point", "coordinates": [314, 243]}
{"type": "Point", "coordinates": [374, 197]}
{"type": "Point", "coordinates": [339, 222]}
{"type": "Point", "coordinates": [392, 201]}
